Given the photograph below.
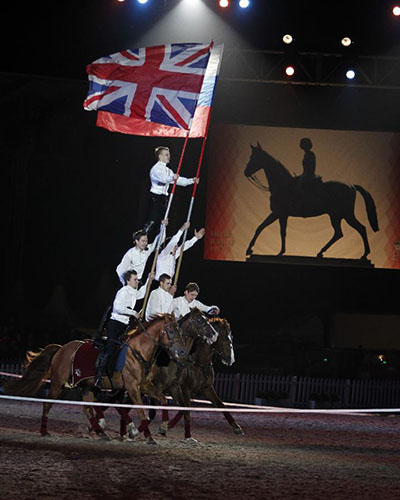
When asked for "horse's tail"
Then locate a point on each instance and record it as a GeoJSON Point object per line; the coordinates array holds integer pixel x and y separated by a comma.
{"type": "Point", "coordinates": [370, 206]}
{"type": "Point", "coordinates": [36, 369]}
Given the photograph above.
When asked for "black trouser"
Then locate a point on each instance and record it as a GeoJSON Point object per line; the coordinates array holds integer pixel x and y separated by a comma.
{"type": "Point", "coordinates": [115, 331]}
{"type": "Point", "coordinates": [157, 207]}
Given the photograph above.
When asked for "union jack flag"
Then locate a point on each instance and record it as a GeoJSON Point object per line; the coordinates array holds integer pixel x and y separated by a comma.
{"type": "Point", "coordinates": [158, 84]}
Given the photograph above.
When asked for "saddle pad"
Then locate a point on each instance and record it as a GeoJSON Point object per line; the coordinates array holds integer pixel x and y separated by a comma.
{"type": "Point", "coordinates": [84, 362]}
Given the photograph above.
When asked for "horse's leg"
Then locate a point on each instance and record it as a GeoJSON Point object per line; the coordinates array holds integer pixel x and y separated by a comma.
{"type": "Point", "coordinates": [126, 424]}
{"type": "Point", "coordinates": [134, 394]}
{"type": "Point", "coordinates": [90, 415]}
{"type": "Point", "coordinates": [269, 220]}
{"type": "Point", "coordinates": [100, 415]}
{"type": "Point", "coordinates": [283, 226]}
{"type": "Point", "coordinates": [162, 430]}
{"type": "Point", "coordinates": [187, 417]}
{"type": "Point", "coordinates": [56, 386]}
{"type": "Point", "coordinates": [360, 228]}
{"type": "Point", "coordinates": [213, 397]}
{"type": "Point", "coordinates": [336, 224]}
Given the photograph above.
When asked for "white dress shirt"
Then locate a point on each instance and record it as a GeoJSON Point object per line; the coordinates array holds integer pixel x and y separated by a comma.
{"type": "Point", "coordinates": [124, 303]}
{"type": "Point", "coordinates": [166, 261]}
{"type": "Point", "coordinates": [161, 176]}
{"type": "Point", "coordinates": [159, 302]}
{"type": "Point", "coordinates": [136, 259]}
{"type": "Point", "coordinates": [181, 307]}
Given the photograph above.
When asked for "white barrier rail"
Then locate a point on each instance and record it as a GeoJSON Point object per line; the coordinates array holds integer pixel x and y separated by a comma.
{"type": "Point", "coordinates": [255, 409]}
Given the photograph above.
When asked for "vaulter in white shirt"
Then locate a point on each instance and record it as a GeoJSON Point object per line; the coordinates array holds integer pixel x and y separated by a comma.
{"type": "Point", "coordinates": [125, 300]}
{"type": "Point", "coordinates": [136, 257]}
{"type": "Point", "coordinates": [182, 305]}
{"type": "Point", "coordinates": [166, 259]}
{"type": "Point", "coordinates": [160, 300]}
{"type": "Point", "coordinates": [161, 176]}
{"type": "Point", "coordinates": [123, 310]}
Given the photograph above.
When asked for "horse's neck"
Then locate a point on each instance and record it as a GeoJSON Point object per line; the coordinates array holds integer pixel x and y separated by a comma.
{"type": "Point", "coordinates": [203, 353]}
{"type": "Point", "coordinates": [276, 174]}
{"type": "Point", "coordinates": [146, 341]}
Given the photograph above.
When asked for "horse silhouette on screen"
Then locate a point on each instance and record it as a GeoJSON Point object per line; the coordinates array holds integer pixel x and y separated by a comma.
{"type": "Point", "coordinates": [292, 198]}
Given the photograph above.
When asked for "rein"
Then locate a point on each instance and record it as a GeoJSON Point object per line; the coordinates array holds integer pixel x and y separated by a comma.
{"type": "Point", "coordinates": [257, 183]}
{"type": "Point", "coordinates": [138, 356]}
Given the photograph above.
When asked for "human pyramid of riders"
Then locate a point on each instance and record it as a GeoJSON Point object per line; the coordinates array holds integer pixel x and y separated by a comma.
{"type": "Point", "coordinates": [131, 268]}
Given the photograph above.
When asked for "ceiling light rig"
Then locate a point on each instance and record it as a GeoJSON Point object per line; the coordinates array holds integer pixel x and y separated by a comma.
{"type": "Point", "coordinates": [288, 39]}
{"type": "Point", "coordinates": [346, 41]}
{"type": "Point", "coordinates": [223, 3]}
{"type": "Point", "coordinates": [289, 70]}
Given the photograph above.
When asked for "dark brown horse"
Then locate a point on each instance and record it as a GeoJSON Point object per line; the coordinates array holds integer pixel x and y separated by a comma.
{"type": "Point", "coordinates": [55, 362]}
{"type": "Point", "coordinates": [195, 325]}
{"type": "Point", "coordinates": [333, 198]}
{"type": "Point", "coordinates": [197, 377]}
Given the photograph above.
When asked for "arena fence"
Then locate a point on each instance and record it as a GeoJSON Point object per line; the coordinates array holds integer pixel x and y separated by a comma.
{"type": "Point", "coordinates": [290, 391]}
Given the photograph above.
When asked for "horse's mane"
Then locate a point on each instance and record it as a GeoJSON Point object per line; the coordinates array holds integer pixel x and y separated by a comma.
{"type": "Point", "coordinates": [277, 163]}
{"type": "Point", "coordinates": [143, 325]}
{"type": "Point", "coordinates": [192, 310]}
{"type": "Point", "coordinates": [221, 321]}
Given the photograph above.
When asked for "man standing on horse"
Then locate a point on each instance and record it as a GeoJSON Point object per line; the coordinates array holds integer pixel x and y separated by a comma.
{"type": "Point", "coordinates": [122, 312]}
{"type": "Point", "coordinates": [166, 258]}
{"type": "Point", "coordinates": [160, 300]}
{"type": "Point", "coordinates": [182, 305]}
{"type": "Point", "coordinates": [161, 177]}
{"type": "Point", "coordinates": [136, 257]}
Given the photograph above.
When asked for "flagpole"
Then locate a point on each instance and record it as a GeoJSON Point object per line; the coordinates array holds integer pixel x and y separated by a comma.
{"type": "Point", "coordinates": [162, 230]}
{"type": "Point", "coordinates": [179, 264]}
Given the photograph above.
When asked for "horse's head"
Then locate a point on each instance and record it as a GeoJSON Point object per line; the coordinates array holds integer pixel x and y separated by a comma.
{"type": "Point", "coordinates": [254, 164]}
{"type": "Point", "coordinates": [171, 338]}
{"type": "Point", "coordinates": [197, 325]}
{"type": "Point", "coordinates": [224, 343]}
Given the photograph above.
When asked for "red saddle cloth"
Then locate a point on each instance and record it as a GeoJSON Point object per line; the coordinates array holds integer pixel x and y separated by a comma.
{"type": "Point", "coordinates": [84, 362]}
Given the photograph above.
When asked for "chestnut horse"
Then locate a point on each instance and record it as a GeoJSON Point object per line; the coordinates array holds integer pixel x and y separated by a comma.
{"type": "Point", "coordinates": [195, 325]}
{"type": "Point", "coordinates": [55, 362]}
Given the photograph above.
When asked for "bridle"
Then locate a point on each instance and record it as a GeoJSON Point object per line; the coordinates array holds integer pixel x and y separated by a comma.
{"type": "Point", "coordinates": [193, 322]}
{"type": "Point", "coordinates": [167, 330]}
{"type": "Point", "coordinates": [257, 183]}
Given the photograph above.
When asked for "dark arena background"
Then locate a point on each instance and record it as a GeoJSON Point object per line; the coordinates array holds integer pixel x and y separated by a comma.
{"type": "Point", "coordinates": [310, 331]}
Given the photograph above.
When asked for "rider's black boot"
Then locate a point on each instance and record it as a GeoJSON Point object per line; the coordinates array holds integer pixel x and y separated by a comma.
{"type": "Point", "coordinates": [101, 368]}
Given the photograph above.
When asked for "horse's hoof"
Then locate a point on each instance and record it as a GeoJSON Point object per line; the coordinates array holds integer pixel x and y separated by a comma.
{"type": "Point", "coordinates": [238, 430]}
{"type": "Point", "coordinates": [104, 436]}
{"type": "Point", "coordinates": [191, 440]}
{"type": "Point", "coordinates": [320, 255]}
{"type": "Point", "coordinates": [151, 440]}
{"type": "Point", "coordinates": [44, 434]}
{"type": "Point", "coordinates": [132, 430]}
{"type": "Point", "coordinates": [102, 423]}
{"type": "Point", "coordinates": [162, 431]}
{"type": "Point", "coordinates": [249, 252]}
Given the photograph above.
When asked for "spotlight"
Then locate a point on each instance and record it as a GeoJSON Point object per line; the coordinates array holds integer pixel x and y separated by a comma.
{"type": "Point", "coordinates": [396, 10]}
{"type": "Point", "coordinates": [244, 3]}
{"type": "Point", "coordinates": [289, 70]}
{"type": "Point", "coordinates": [223, 3]}
{"type": "Point", "coordinates": [350, 74]}
{"type": "Point", "coordinates": [346, 41]}
{"type": "Point", "coordinates": [142, 1]}
{"type": "Point", "coordinates": [287, 39]}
